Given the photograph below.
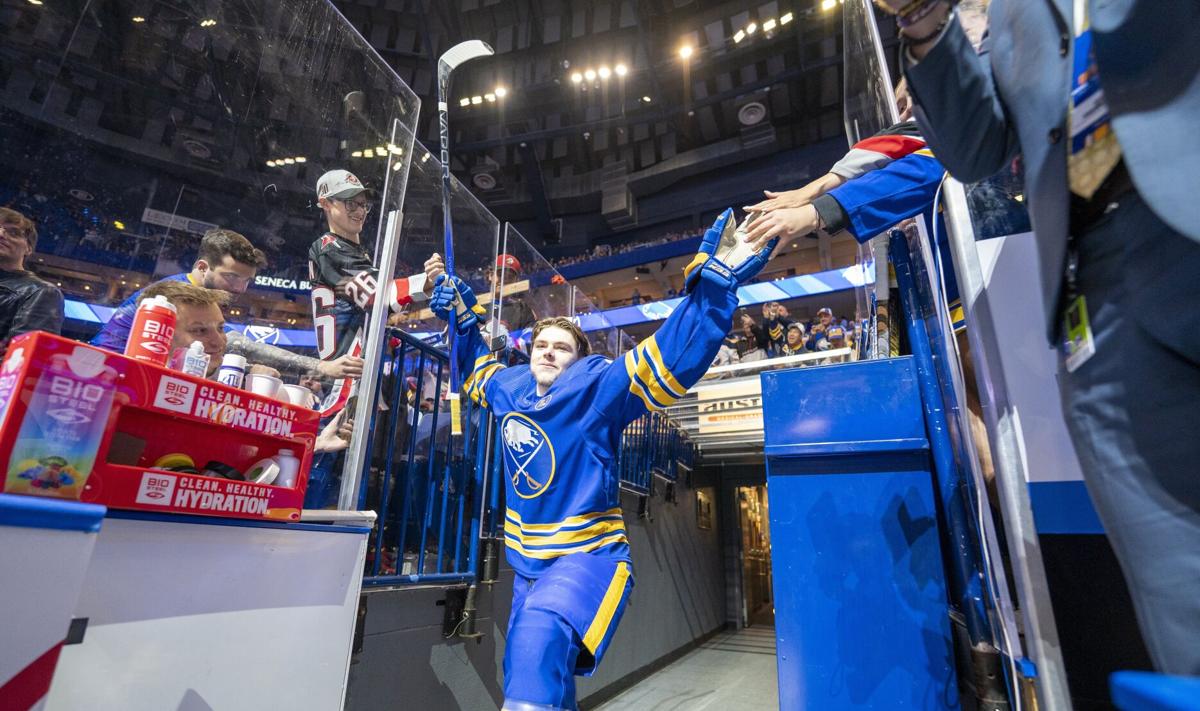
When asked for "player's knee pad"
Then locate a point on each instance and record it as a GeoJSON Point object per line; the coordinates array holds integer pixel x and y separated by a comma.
{"type": "Point", "coordinates": [539, 661]}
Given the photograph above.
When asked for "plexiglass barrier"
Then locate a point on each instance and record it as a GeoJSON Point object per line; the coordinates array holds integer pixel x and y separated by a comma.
{"type": "Point", "coordinates": [131, 128]}
{"type": "Point", "coordinates": [870, 107]}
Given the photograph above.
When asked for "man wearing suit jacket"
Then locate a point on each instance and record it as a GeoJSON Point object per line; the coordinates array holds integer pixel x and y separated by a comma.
{"type": "Point", "coordinates": [1102, 99]}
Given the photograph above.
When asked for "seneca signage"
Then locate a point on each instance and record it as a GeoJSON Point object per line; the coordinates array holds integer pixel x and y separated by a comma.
{"type": "Point", "coordinates": [269, 282]}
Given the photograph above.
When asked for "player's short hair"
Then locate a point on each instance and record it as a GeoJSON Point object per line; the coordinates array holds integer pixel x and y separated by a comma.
{"type": "Point", "coordinates": [217, 243]}
{"type": "Point", "coordinates": [8, 216]}
{"type": "Point", "coordinates": [582, 345]}
{"type": "Point", "coordinates": [181, 292]}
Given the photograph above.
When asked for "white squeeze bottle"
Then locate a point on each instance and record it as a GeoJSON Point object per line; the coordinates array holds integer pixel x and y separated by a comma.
{"type": "Point", "coordinates": [195, 360]}
{"type": "Point", "coordinates": [289, 468]}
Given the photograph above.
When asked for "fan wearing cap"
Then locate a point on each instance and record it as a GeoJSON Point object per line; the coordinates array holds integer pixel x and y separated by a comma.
{"type": "Point", "coordinates": [795, 343]}
{"type": "Point", "coordinates": [344, 282]}
{"type": "Point", "coordinates": [515, 314]}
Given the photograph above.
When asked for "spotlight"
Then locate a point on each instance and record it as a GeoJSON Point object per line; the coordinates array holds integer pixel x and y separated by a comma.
{"type": "Point", "coordinates": [356, 154]}
{"type": "Point", "coordinates": [828, 4]}
{"type": "Point", "coordinates": [769, 25]}
{"type": "Point", "coordinates": [621, 70]}
{"type": "Point", "coordinates": [490, 97]}
{"type": "Point", "coordinates": [301, 159]}
{"type": "Point", "coordinates": [786, 18]}
{"type": "Point", "coordinates": [605, 72]}
{"type": "Point", "coordinates": [501, 92]}
{"type": "Point", "coordinates": [397, 165]}
{"type": "Point", "coordinates": [590, 75]}
{"type": "Point", "coordinates": [576, 77]}
{"type": "Point", "coordinates": [270, 164]}
{"type": "Point", "coordinates": [395, 150]}
{"type": "Point", "coordinates": [739, 36]}
{"type": "Point", "coordinates": [685, 51]}
{"type": "Point", "coordinates": [289, 161]}
{"type": "Point", "coordinates": [751, 28]}
{"type": "Point", "coordinates": [465, 101]}
{"type": "Point", "coordinates": [380, 151]}
{"type": "Point", "coordinates": [646, 99]}
{"type": "Point", "coordinates": [139, 19]}
{"type": "Point", "coordinates": [35, 2]}
{"type": "Point", "coordinates": [477, 100]}
{"type": "Point", "coordinates": [208, 22]}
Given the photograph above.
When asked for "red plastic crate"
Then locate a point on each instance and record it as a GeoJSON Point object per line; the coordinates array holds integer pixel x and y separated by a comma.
{"type": "Point", "coordinates": [50, 384]}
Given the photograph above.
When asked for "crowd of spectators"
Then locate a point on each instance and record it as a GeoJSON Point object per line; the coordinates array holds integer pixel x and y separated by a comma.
{"type": "Point", "coordinates": [777, 335]}
{"type": "Point", "coordinates": [607, 250]}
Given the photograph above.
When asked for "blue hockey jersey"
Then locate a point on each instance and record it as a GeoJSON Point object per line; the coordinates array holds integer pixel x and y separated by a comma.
{"type": "Point", "coordinates": [560, 449]}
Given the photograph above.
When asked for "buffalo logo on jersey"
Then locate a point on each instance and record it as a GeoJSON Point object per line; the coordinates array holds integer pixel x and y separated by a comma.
{"type": "Point", "coordinates": [528, 455]}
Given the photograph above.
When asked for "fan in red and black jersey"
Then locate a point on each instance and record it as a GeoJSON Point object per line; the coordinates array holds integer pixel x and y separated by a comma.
{"type": "Point", "coordinates": [344, 282]}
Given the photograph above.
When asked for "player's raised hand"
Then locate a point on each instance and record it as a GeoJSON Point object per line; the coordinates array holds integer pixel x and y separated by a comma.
{"type": "Point", "coordinates": [449, 292]}
{"type": "Point", "coordinates": [708, 247]}
{"type": "Point", "coordinates": [786, 223]}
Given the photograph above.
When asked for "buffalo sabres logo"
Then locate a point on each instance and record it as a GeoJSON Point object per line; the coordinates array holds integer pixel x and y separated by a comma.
{"type": "Point", "coordinates": [528, 455]}
{"type": "Point", "coordinates": [541, 404]}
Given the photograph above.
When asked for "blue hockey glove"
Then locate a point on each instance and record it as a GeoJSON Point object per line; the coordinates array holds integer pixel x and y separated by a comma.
{"type": "Point", "coordinates": [455, 295]}
{"type": "Point", "coordinates": [722, 238]}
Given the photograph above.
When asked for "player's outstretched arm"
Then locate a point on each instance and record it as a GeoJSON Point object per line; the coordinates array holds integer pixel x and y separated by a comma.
{"type": "Point", "coordinates": [878, 200]}
{"type": "Point", "coordinates": [454, 302]}
{"type": "Point", "coordinates": [662, 367]}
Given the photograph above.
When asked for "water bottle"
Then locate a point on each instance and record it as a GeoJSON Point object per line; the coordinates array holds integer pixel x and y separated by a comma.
{"type": "Point", "coordinates": [289, 468]}
{"type": "Point", "coordinates": [233, 370]}
{"type": "Point", "coordinates": [152, 331]}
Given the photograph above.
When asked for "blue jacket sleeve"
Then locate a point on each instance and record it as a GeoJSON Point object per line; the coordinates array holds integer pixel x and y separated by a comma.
{"type": "Point", "coordinates": [958, 108]}
{"type": "Point", "coordinates": [881, 198]}
{"type": "Point", "coordinates": [478, 362]}
{"type": "Point", "coordinates": [660, 369]}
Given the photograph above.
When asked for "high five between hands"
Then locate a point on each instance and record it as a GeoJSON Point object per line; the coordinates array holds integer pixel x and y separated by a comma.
{"type": "Point", "coordinates": [789, 213]}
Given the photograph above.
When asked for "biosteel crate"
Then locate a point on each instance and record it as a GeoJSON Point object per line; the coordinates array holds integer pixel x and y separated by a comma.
{"type": "Point", "coordinates": [83, 423]}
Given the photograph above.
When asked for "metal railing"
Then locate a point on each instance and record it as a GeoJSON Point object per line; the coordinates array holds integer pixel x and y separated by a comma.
{"type": "Point", "coordinates": [438, 496]}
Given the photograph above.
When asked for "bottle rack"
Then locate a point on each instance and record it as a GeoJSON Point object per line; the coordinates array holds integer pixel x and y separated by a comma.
{"type": "Point", "coordinates": [148, 411]}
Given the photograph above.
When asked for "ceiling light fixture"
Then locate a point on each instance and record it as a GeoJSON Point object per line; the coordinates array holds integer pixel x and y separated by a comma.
{"type": "Point", "coordinates": [786, 18]}
{"type": "Point", "coordinates": [590, 75]}
{"type": "Point", "coordinates": [646, 99]}
{"type": "Point", "coordinates": [605, 72]}
{"type": "Point", "coordinates": [139, 19]}
{"type": "Point", "coordinates": [501, 92]}
{"type": "Point", "coordinates": [476, 100]}
{"type": "Point", "coordinates": [576, 77]}
{"type": "Point", "coordinates": [289, 161]}
{"type": "Point", "coordinates": [739, 36]}
{"type": "Point", "coordinates": [769, 25]}
{"type": "Point", "coordinates": [465, 101]}
{"type": "Point", "coordinates": [828, 4]}
{"type": "Point", "coordinates": [490, 97]}
{"type": "Point", "coordinates": [301, 159]}
{"type": "Point", "coordinates": [685, 51]}
{"type": "Point", "coordinates": [270, 164]}
{"type": "Point", "coordinates": [621, 70]}
{"type": "Point", "coordinates": [356, 154]}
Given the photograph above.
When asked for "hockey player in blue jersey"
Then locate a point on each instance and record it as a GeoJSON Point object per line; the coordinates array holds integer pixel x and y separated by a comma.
{"type": "Point", "coordinates": [561, 419]}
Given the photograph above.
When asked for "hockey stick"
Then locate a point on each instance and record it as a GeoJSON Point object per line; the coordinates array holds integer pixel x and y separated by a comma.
{"type": "Point", "coordinates": [453, 57]}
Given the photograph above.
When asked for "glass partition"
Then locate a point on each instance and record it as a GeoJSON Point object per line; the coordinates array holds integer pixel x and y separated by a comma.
{"type": "Point", "coordinates": [528, 288]}
{"type": "Point", "coordinates": [131, 128]}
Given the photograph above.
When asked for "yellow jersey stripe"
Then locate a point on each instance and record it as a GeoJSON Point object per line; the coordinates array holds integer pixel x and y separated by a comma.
{"type": "Point", "coordinates": [572, 521]}
{"type": "Point", "coordinates": [652, 384]}
{"type": "Point", "coordinates": [565, 537]}
{"type": "Point", "coordinates": [608, 608]}
{"type": "Point", "coordinates": [480, 377]}
{"type": "Point", "coordinates": [924, 152]}
{"type": "Point", "coordinates": [483, 359]}
{"type": "Point", "coordinates": [660, 367]}
{"type": "Point", "coordinates": [560, 552]}
{"type": "Point", "coordinates": [635, 386]}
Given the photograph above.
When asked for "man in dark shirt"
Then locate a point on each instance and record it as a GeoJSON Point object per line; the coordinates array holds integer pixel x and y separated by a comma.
{"type": "Point", "coordinates": [26, 302]}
